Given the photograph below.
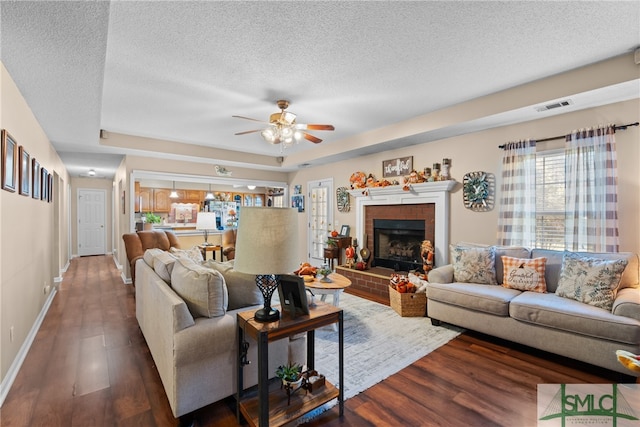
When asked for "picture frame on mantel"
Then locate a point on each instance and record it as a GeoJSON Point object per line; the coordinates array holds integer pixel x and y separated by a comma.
{"type": "Point", "coordinates": [9, 161]}
{"type": "Point", "coordinates": [395, 168]}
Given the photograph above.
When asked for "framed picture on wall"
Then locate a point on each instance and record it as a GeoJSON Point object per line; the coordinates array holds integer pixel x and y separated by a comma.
{"type": "Point", "coordinates": [297, 201]}
{"type": "Point", "coordinates": [9, 156]}
{"type": "Point", "coordinates": [50, 188]}
{"type": "Point", "coordinates": [35, 178]}
{"type": "Point", "coordinates": [44, 184]}
{"type": "Point", "coordinates": [25, 168]}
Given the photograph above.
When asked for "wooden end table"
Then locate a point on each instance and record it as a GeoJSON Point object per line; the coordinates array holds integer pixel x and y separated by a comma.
{"type": "Point", "coordinates": [337, 285]}
{"type": "Point", "coordinates": [211, 248]}
{"type": "Point", "coordinates": [266, 405]}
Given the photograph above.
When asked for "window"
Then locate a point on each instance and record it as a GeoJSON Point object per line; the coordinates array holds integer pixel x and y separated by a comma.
{"type": "Point", "coordinates": [550, 200]}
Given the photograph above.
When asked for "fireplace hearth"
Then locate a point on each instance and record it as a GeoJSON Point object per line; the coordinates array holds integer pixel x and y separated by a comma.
{"type": "Point", "coordinates": [397, 243]}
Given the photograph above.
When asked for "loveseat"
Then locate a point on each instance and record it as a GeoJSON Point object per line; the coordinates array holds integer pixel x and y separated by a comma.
{"type": "Point", "coordinates": [187, 310]}
{"type": "Point", "coordinates": [548, 304]}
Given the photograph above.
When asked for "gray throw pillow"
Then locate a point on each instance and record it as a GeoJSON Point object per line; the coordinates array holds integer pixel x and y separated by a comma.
{"type": "Point", "coordinates": [203, 289]}
{"type": "Point", "coordinates": [242, 288]}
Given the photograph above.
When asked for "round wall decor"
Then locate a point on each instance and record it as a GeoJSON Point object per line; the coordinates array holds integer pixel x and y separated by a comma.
{"type": "Point", "coordinates": [478, 191]}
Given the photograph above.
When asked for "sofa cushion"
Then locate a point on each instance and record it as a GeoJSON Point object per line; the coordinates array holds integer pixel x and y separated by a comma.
{"type": "Point", "coordinates": [510, 251]}
{"type": "Point", "coordinates": [551, 311]}
{"type": "Point", "coordinates": [524, 274]}
{"type": "Point", "coordinates": [194, 254]}
{"type": "Point", "coordinates": [487, 299]}
{"type": "Point", "coordinates": [473, 265]}
{"type": "Point", "coordinates": [203, 289]}
{"type": "Point", "coordinates": [163, 265]}
{"type": "Point", "coordinates": [242, 288]}
{"type": "Point", "coordinates": [554, 265]}
{"type": "Point", "coordinates": [150, 254]}
{"type": "Point", "coordinates": [590, 280]}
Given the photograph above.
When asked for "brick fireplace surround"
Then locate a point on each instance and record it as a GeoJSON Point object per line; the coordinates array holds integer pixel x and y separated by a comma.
{"type": "Point", "coordinates": [428, 201]}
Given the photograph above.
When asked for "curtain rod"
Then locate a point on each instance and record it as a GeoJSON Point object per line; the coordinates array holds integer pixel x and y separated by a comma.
{"type": "Point", "coordinates": [553, 138]}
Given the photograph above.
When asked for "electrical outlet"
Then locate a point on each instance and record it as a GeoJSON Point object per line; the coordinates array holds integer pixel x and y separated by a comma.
{"type": "Point", "coordinates": [47, 288]}
{"type": "Point", "coordinates": [11, 334]}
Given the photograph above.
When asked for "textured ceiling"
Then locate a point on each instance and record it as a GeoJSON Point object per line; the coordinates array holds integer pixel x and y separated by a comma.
{"type": "Point", "coordinates": [178, 71]}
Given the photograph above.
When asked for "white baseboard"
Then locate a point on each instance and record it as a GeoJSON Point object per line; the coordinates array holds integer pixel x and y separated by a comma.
{"type": "Point", "coordinates": [5, 386]}
{"type": "Point", "coordinates": [126, 280]}
{"type": "Point", "coordinates": [65, 268]}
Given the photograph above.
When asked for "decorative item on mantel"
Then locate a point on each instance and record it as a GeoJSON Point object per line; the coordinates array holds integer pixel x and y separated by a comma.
{"type": "Point", "coordinates": [440, 172]}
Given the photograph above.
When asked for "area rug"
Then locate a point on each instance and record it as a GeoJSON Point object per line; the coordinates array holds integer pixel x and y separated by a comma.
{"type": "Point", "coordinates": [377, 343]}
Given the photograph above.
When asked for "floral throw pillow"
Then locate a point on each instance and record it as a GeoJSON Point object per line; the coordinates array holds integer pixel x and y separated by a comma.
{"type": "Point", "coordinates": [474, 265]}
{"type": "Point", "coordinates": [194, 254]}
{"type": "Point", "coordinates": [524, 274]}
{"type": "Point", "coordinates": [590, 280]}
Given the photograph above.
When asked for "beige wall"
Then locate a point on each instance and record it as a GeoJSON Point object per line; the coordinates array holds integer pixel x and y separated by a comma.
{"type": "Point", "coordinates": [479, 151]}
{"type": "Point", "coordinates": [30, 256]}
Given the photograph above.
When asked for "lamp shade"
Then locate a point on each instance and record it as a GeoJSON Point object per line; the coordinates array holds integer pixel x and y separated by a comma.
{"type": "Point", "coordinates": [206, 221]}
{"type": "Point", "coordinates": [267, 241]}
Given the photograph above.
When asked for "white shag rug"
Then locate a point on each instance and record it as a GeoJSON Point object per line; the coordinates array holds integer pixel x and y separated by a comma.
{"type": "Point", "coordinates": [378, 342]}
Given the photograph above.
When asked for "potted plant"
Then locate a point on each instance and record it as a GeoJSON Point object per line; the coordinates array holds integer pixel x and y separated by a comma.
{"type": "Point", "coordinates": [150, 218]}
{"type": "Point", "coordinates": [290, 374]}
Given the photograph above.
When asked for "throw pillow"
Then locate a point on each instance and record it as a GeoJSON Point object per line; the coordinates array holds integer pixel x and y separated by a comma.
{"type": "Point", "coordinates": [524, 274]}
{"type": "Point", "coordinates": [474, 265]}
{"type": "Point", "coordinates": [163, 265]}
{"type": "Point", "coordinates": [203, 289]}
{"type": "Point", "coordinates": [150, 254]}
{"type": "Point", "coordinates": [590, 280]}
{"type": "Point", "coordinates": [241, 287]}
{"type": "Point", "coordinates": [194, 254]}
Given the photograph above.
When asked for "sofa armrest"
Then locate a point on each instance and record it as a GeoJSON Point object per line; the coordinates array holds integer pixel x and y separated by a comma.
{"type": "Point", "coordinates": [442, 274]}
{"type": "Point", "coordinates": [627, 303]}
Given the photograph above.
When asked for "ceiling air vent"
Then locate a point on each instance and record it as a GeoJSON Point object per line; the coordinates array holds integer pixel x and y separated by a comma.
{"type": "Point", "coordinates": [558, 104]}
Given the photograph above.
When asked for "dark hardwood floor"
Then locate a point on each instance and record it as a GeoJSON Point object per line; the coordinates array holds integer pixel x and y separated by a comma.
{"type": "Point", "coordinates": [89, 366]}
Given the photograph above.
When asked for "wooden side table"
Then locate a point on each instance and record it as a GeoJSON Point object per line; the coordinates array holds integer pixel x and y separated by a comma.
{"type": "Point", "coordinates": [211, 248]}
{"type": "Point", "coordinates": [341, 242]}
{"type": "Point", "coordinates": [266, 405]}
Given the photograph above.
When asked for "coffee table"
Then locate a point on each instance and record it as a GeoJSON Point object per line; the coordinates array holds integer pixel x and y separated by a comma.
{"type": "Point", "coordinates": [337, 285]}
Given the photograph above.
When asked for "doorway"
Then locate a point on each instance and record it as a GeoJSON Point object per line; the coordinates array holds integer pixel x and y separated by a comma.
{"type": "Point", "coordinates": [320, 218]}
{"type": "Point", "coordinates": [91, 222]}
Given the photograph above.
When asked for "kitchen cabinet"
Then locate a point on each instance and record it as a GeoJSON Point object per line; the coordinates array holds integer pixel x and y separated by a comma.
{"type": "Point", "coordinates": [144, 200]}
{"type": "Point", "coordinates": [161, 200]}
{"type": "Point", "coordinates": [193, 196]}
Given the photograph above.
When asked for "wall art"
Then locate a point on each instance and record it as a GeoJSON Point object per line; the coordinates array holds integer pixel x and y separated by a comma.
{"type": "Point", "coordinates": [9, 161]}
{"type": "Point", "coordinates": [397, 167]}
{"type": "Point", "coordinates": [297, 201]}
{"type": "Point", "coordinates": [25, 168]}
{"type": "Point", "coordinates": [35, 178]}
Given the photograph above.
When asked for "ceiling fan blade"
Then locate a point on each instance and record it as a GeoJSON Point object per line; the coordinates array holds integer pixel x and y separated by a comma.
{"type": "Point", "coordinates": [316, 127]}
{"type": "Point", "coordinates": [311, 138]}
{"type": "Point", "coordinates": [249, 118]}
{"type": "Point", "coordinates": [249, 131]}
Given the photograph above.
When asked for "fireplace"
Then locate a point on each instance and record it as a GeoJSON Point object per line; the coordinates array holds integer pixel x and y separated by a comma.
{"type": "Point", "coordinates": [397, 243]}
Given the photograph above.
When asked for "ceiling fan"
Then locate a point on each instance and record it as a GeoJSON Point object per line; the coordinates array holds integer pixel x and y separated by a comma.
{"type": "Point", "coordinates": [283, 127]}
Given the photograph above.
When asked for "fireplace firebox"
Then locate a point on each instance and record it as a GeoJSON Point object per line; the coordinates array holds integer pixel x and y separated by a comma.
{"type": "Point", "coordinates": [396, 243]}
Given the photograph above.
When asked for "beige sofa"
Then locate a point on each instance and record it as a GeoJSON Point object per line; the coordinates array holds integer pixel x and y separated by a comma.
{"type": "Point", "coordinates": [188, 320]}
{"type": "Point", "coordinates": [544, 320]}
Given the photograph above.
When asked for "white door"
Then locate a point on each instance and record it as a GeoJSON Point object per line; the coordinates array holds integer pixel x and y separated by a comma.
{"type": "Point", "coordinates": [91, 222]}
{"type": "Point", "coordinates": [320, 218]}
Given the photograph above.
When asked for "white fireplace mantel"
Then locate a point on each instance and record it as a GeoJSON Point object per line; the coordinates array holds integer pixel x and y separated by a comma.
{"type": "Point", "coordinates": [428, 192]}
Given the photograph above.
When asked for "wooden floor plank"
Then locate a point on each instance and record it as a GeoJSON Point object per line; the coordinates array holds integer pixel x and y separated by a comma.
{"type": "Point", "coordinates": [473, 380]}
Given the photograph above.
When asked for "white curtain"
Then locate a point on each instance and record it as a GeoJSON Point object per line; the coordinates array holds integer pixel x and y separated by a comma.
{"type": "Point", "coordinates": [591, 218]}
{"type": "Point", "coordinates": [517, 219]}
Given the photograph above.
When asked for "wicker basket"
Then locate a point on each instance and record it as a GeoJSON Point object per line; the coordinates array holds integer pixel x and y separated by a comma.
{"type": "Point", "coordinates": [408, 304]}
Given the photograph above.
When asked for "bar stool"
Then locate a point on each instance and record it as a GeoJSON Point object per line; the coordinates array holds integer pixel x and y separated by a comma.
{"type": "Point", "coordinates": [330, 254]}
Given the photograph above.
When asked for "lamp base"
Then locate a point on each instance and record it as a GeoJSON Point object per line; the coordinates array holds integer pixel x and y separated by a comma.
{"type": "Point", "coordinates": [267, 314]}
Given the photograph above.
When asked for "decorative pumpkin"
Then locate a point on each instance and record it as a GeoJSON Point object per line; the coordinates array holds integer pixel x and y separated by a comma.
{"type": "Point", "coordinates": [334, 233]}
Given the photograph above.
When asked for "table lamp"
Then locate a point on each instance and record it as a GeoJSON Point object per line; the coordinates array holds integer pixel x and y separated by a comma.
{"type": "Point", "coordinates": [267, 246]}
{"type": "Point", "coordinates": [206, 221]}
